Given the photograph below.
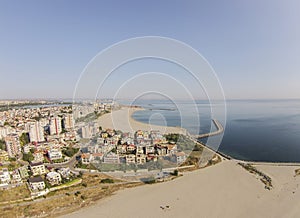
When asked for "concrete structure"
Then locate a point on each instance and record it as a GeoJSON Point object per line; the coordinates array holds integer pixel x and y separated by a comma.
{"type": "Point", "coordinates": [3, 156]}
{"type": "Point", "coordinates": [37, 168]}
{"type": "Point", "coordinates": [130, 158]}
{"type": "Point", "coordinates": [68, 121]}
{"type": "Point", "coordinates": [23, 172]}
{"type": "Point", "coordinates": [38, 156]}
{"type": "Point", "coordinates": [111, 158]}
{"type": "Point", "coordinates": [13, 146]}
{"type": "Point", "coordinates": [140, 158]}
{"type": "Point", "coordinates": [4, 177]}
{"type": "Point", "coordinates": [36, 132]}
{"type": "Point", "coordinates": [55, 126]}
{"type": "Point", "coordinates": [86, 158]}
{"type": "Point", "coordinates": [53, 178]}
{"type": "Point", "coordinates": [16, 177]}
{"type": "Point", "coordinates": [65, 172]}
{"type": "Point", "coordinates": [36, 183]}
{"type": "Point", "coordinates": [55, 154]}
{"type": "Point", "coordinates": [180, 157]}
{"type": "Point", "coordinates": [85, 132]}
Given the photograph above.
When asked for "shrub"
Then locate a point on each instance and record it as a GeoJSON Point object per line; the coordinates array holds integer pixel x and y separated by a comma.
{"type": "Point", "coordinates": [107, 180]}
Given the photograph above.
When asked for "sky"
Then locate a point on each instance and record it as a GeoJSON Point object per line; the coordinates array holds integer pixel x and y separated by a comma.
{"type": "Point", "coordinates": [253, 46]}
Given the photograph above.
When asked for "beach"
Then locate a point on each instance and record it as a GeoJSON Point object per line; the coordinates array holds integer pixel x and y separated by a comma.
{"type": "Point", "coordinates": [222, 190]}
{"type": "Point", "coordinates": [122, 120]}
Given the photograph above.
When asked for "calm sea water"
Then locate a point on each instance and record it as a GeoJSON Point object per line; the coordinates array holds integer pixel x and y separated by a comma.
{"type": "Point", "coordinates": [258, 130]}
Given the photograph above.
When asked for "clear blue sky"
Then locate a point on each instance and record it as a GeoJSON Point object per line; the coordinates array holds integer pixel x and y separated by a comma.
{"type": "Point", "coordinates": [254, 46]}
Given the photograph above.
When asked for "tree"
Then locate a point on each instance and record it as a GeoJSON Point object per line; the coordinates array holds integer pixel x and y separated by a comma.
{"type": "Point", "coordinates": [24, 139]}
{"type": "Point", "coordinates": [2, 145]}
{"type": "Point", "coordinates": [28, 157]}
{"type": "Point", "coordinates": [70, 151]}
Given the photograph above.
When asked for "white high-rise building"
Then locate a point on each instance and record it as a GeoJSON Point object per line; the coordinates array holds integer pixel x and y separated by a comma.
{"type": "Point", "coordinates": [69, 121]}
{"type": "Point", "coordinates": [55, 126]}
{"type": "Point", "coordinates": [13, 146]}
{"type": "Point", "coordinates": [86, 132]}
{"type": "Point", "coordinates": [36, 132]}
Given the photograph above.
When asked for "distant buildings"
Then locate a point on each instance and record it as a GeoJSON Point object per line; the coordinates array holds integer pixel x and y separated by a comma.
{"type": "Point", "coordinates": [68, 121]}
{"type": "Point", "coordinates": [13, 146]}
{"type": "Point", "coordinates": [85, 132]}
{"type": "Point", "coordinates": [89, 130]}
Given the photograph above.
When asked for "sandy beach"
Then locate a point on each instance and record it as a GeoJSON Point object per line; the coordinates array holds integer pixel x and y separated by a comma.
{"type": "Point", "coordinates": [223, 190]}
{"type": "Point", "coordinates": [122, 120]}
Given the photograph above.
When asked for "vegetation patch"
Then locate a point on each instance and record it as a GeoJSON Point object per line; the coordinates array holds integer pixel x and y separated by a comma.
{"type": "Point", "coordinates": [263, 177]}
{"type": "Point", "coordinates": [107, 180]}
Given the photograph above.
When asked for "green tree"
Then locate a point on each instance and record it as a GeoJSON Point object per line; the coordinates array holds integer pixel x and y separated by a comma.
{"type": "Point", "coordinates": [28, 157]}
{"type": "Point", "coordinates": [24, 139]}
{"type": "Point", "coordinates": [70, 151]}
{"type": "Point", "coordinates": [2, 145]}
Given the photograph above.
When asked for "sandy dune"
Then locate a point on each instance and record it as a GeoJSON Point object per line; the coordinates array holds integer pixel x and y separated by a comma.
{"type": "Point", "coordinates": [223, 190]}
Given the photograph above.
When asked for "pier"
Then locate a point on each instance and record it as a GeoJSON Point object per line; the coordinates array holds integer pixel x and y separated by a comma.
{"type": "Point", "coordinates": [220, 129]}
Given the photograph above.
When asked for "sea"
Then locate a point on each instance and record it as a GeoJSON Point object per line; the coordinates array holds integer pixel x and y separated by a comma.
{"type": "Point", "coordinates": [255, 130]}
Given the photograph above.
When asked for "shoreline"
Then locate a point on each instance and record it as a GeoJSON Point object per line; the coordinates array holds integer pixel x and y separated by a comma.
{"type": "Point", "coordinates": [143, 126]}
{"type": "Point", "coordinates": [127, 123]}
{"type": "Point", "coordinates": [228, 190]}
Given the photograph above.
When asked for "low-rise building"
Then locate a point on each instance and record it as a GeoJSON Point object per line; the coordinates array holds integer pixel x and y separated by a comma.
{"type": "Point", "coordinates": [130, 158]}
{"type": "Point", "coordinates": [53, 178]}
{"type": "Point", "coordinates": [86, 158]}
{"type": "Point", "coordinates": [36, 183]}
{"type": "Point", "coordinates": [140, 149]}
{"type": "Point", "coordinates": [3, 156]}
{"type": "Point", "coordinates": [150, 149]}
{"type": "Point", "coordinates": [180, 157]}
{"type": "Point", "coordinates": [55, 154]}
{"type": "Point", "coordinates": [38, 156]}
{"type": "Point", "coordinates": [37, 168]}
{"type": "Point", "coordinates": [4, 177]}
{"type": "Point", "coordinates": [65, 172]}
{"type": "Point", "coordinates": [16, 177]}
{"type": "Point", "coordinates": [111, 158]}
{"type": "Point", "coordinates": [172, 149]}
{"type": "Point", "coordinates": [23, 172]}
{"type": "Point", "coordinates": [98, 157]}
{"type": "Point", "coordinates": [140, 158]}
{"type": "Point", "coordinates": [26, 149]}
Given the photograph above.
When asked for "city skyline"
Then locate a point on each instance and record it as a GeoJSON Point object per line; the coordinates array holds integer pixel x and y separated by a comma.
{"type": "Point", "coordinates": [45, 46]}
